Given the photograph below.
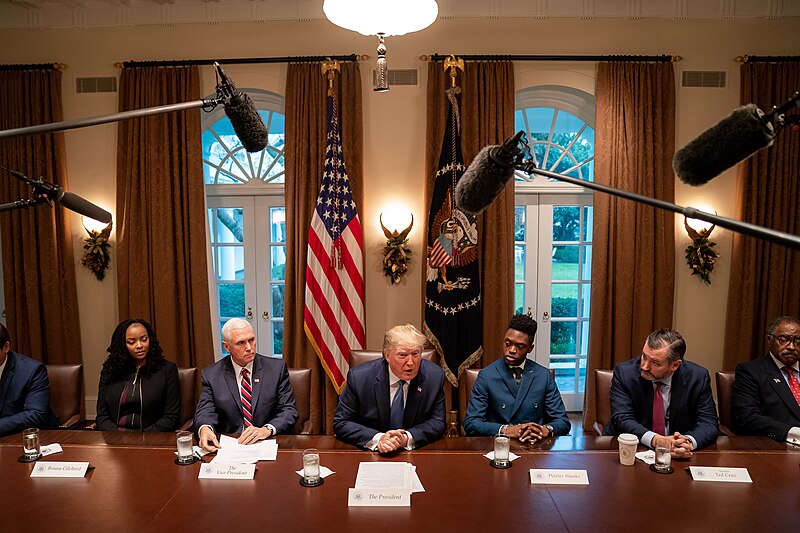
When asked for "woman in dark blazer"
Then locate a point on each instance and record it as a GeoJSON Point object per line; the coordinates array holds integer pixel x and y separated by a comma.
{"type": "Point", "coordinates": [139, 389]}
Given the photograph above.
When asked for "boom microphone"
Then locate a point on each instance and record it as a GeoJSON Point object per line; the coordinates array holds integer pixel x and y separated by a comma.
{"type": "Point", "coordinates": [242, 113]}
{"type": "Point", "coordinates": [733, 139]}
{"type": "Point", "coordinates": [487, 175]}
{"type": "Point", "coordinates": [82, 206]}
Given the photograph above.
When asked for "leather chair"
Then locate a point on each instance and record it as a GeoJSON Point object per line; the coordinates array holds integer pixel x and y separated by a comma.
{"type": "Point", "coordinates": [724, 390]}
{"type": "Point", "coordinates": [602, 399]}
{"type": "Point", "coordinates": [66, 393]}
{"type": "Point", "coordinates": [188, 380]}
{"type": "Point", "coordinates": [362, 356]}
{"type": "Point", "coordinates": [300, 380]}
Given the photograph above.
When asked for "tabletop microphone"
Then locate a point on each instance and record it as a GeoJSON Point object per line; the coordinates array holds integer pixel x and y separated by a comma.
{"type": "Point", "coordinates": [242, 113]}
{"type": "Point", "coordinates": [487, 175]}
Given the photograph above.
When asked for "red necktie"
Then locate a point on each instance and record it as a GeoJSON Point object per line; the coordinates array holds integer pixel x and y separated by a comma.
{"type": "Point", "coordinates": [658, 410]}
{"type": "Point", "coordinates": [793, 383]}
{"type": "Point", "coordinates": [247, 395]}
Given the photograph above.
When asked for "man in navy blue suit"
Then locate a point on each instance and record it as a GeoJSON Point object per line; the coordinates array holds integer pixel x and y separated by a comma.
{"type": "Point", "coordinates": [396, 402]}
{"type": "Point", "coordinates": [516, 396]}
{"type": "Point", "coordinates": [24, 391]}
{"type": "Point", "coordinates": [246, 393]}
{"type": "Point", "coordinates": [662, 398]}
{"type": "Point", "coordinates": [766, 392]}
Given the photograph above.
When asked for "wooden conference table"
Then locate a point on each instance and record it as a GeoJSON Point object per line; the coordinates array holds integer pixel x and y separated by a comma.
{"type": "Point", "coordinates": [135, 486]}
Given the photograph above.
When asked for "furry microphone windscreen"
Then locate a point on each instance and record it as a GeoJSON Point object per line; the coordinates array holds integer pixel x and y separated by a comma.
{"type": "Point", "coordinates": [482, 182]}
{"type": "Point", "coordinates": [731, 140]}
{"type": "Point", "coordinates": [246, 122]}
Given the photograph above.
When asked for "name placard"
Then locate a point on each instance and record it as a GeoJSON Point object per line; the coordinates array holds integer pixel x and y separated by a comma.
{"type": "Point", "coordinates": [559, 477]}
{"type": "Point", "coordinates": [59, 469]}
{"type": "Point", "coordinates": [379, 498]}
{"type": "Point", "coordinates": [226, 471]}
{"type": "Point", "coordinates": [726, 475]}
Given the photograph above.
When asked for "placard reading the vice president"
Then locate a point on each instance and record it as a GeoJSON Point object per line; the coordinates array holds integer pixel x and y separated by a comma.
{"type": "Point", "coordinates": [60, 469]}
{"type": "Point", "coordinates": [558, 476]}
{"type": "Point", "coordinates": [226, 471]}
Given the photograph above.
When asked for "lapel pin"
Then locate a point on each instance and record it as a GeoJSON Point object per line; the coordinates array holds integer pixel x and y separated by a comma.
{"type": "Point", "coordinates": [419, 389]}
{"type": "Point", "coordinates": [256, 380]}
{"type": "Point", "coordinates": [777, 380]}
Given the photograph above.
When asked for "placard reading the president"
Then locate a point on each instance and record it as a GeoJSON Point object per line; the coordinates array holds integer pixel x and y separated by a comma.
{"type": "Point", "coordinates": [59, 469]}
{"type": "Point", "coordinates": [550, 476]}
{"type": "Point", "coordinates": [726, 475]}
{"type": "Point", "coordinates": [226, 471]}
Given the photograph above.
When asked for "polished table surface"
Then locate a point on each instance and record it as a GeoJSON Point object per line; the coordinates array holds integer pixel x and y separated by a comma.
{"type": "Point", "coordinates": [135, 486]}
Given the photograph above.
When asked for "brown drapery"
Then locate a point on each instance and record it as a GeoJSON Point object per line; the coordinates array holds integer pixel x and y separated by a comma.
{"type": "Point", "coordinates": [487, 117]}
{"type": "Point", "coordinates": [304, 155]}
{"type": "Point", "coordinates": [764, 276]}
{"type": "Point", "coordinates": [162, 271]}
{"type": "Point", "coordinates": [633, 270]}
{"type": "Point", "coordinates": [38, 259]}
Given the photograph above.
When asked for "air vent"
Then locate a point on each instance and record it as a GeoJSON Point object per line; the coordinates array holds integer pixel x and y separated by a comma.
{"type": "Point", "coordinates": [400, 76]}
{"type": "Point", "coordinates": [106, 84]}
{"type": "Point", "coordinates": [704, 78]}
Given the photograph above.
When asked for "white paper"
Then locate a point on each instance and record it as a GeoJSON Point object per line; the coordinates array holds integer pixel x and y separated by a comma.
{"type": "Point", "coordinates": [511, 456]}
{"type": "Point", "coordinates": [232, 452]}
{"type": "Point", "coordinates": [226, 471]}
{"type": "Point", "coordinates": [388, 476]}
{"type": "Point", "coordinates": [725, 475]}
{"type": "Point", "coordinates": [50, 449]}
{"type": "Point", "coordinates": [550, 476]}
{"type": "Point", "coordinates": [647, 456]}
{"type": "Point", "coordinates": [324, 472]}
{"type": "Point", "coordinates": [59, 469]}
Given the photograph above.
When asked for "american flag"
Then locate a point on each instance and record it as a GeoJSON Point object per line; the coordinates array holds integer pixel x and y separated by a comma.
{"type": "Point", "coordinates": [334, 311]}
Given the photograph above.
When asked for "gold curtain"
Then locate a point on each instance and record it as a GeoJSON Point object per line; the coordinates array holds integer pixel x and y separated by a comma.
{"type": "Point", "coordinates": [38, 258]}
{"type": "Point", "coordinates": [162, 271]}
{"type": "Point", "coordinates": [306, 94]}
{"type": "Point", "coordinates": [633, 261]}
{"type": "Point", "coordinates": [487, 118]}
{"type": "Point", "coordinates": [764, 276]}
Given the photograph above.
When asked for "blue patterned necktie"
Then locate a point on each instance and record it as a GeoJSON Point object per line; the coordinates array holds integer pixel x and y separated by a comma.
{"type": "Point", "coordinates": [396, 416]}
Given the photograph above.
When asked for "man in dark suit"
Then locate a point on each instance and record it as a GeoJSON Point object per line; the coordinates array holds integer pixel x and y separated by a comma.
{"type": "Point", "coordinates": [395, 402]}
{"type": "Point", "coordinates": [766, 392]}
{"type": "Point", "coordinates": [516, 396]}
{"type": "Point", "coordinates": [662, 398]}
{"type": "Point", "coordinates": [246, 393]}
{"type": "Point", "coordinates": [24, 391]}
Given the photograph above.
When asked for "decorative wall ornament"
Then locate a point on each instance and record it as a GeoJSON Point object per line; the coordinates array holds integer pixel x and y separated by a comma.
{"type": "Point", "coordinates": [700, 255]}
{"type": "Point", "coordinates": [96, 248]}
{"type": "Point", "coordinates": [396, 253]}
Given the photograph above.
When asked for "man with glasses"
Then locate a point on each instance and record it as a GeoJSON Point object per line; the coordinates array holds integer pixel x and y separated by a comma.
{"type": "Point", "coordinates": [766, 393]}
{"type": "Point", "coordinates": [662, 398]}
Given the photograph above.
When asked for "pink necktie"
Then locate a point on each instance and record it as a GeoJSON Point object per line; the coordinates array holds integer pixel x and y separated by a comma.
{"type": "Point", "coordinates": [793, 383]}
{"type": "Point", "coordinates": [247, 395]}
{"type": "Point", "coordinates": [658, 410]}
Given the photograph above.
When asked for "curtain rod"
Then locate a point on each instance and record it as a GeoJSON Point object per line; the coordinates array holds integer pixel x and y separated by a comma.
{"type": "Point", "coordinates": [498, 57]}
{"type": "Point", "coordinates": [236, 61]}
{"type": "Point", "coordinates": [766, 59]}
{"type": "Point", "coordinates": [35, 66]}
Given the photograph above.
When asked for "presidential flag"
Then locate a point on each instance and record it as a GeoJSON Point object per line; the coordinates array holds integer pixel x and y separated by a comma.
{"type": "Point", "coordinates": [334, 310]}
{"type": "Point", "coordinates": [453, 314]}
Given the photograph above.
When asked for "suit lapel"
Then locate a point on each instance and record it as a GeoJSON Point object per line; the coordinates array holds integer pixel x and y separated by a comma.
{"type": "Point", "coordinates": [504, 374]}
{"type": "Point", "coordinates": [677, 397]}
{"type": "Point", "coordinates": [230, 380]}
{"type": "Point", "coordinates": [416, 388]}
{"type": "Point", "coordinates": [382, 394]}
{"type": "Point", "coordinates": [781, 387]}
{"type": "Point", "coordinates": [255, 382]}
{"type": "Point", "coordinates": [8, 375]}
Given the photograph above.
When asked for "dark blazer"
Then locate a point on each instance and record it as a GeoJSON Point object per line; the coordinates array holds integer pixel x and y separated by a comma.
{"type": "Point", "coordinates": [24, 396]}
{"type": "Point", "coordinates": [220, 404]}
{"type": "Point", "coordinates": [762, 402]}
{"type": "Point", "coordinates": [691, 408]}
{"type": "Point", "coordinates": [497, 400]}
{"type": "Point", "coordinates": [161, 400]}
{"type": "Point", "coordinates": [364, 410]}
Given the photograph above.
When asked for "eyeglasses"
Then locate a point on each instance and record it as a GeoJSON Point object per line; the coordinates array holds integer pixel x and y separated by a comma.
{"type": "Point", "coordinates": [783, 340]}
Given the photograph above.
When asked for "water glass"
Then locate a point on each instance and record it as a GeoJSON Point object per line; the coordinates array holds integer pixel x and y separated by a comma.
{"type": "Point", "coordinates": [311, 466]}
{"type": "Point", "coordinates": [663, 457]}
{"type": "Point", "coordinates": [185, 452]}
{"type": "Point", "coordinates": [30, 443]}
{"type": "Point", "coordinates": [501, 450]}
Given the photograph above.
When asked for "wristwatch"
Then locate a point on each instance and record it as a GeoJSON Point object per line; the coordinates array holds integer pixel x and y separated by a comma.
{"type": "Point", "coordinates": [550, 429]}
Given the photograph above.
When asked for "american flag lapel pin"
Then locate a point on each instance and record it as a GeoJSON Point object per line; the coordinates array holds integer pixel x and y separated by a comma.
{"type": "Point", "coordinates": [419, 389]}
{"type": "Point", "coordinates": [777, 380]}
{"type": "Point", "coordinates": [256, 380]}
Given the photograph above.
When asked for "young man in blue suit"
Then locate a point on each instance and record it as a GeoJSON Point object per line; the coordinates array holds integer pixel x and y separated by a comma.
{"type": "Point", "coordinates": [246, 393]}
{"type": "Point", "coordinates": [662, 398]}
{"type": "Point", "coordinates": [396, 402]}
{"type": "Point", "coordinates": [516, 396]}
{"type": "Point", "coordinates": [766, 393]}
{"type": "Point", "coordinates": [24, 391]}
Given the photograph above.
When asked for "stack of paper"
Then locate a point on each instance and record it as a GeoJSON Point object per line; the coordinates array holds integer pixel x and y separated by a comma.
{"type": "Point", "coordinates": [388, 476]}
{"type": "Point", "coordinates": [232, 452]}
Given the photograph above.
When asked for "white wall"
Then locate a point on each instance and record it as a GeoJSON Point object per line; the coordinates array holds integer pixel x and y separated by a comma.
{"type": "Point", "coordinates": [394, 128]}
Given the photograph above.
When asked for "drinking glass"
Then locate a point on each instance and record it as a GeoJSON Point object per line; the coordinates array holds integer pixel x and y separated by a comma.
{"type": "Point", "coordinates": [311, 466]}
{"type": "Point", "coordinates": [30, 443]}
{"type": "Point", "coordinates": [501, 450]}
{"type": "Point", "coordinates": [185, 452]}
{"type": "Point", "coordinates": [663, 457]}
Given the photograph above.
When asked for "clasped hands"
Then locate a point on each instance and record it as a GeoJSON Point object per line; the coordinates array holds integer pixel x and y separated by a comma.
{"type": "Point", "coordinates": [392, 440]}
{"type": "Point", "coordinates": [528, 432]}
{"type": "Point", "coordinates": [681, 444]}
{"type": "Point", "coordinates": [208, 440]}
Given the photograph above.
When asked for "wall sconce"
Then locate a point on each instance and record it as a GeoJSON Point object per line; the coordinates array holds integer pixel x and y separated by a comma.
{"type": "Point", "coordinates": [96, 246]}
{"type": "Point", "coordinates": [396, 253]}
{"type": "Point", "coordinates": [700, 255]}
